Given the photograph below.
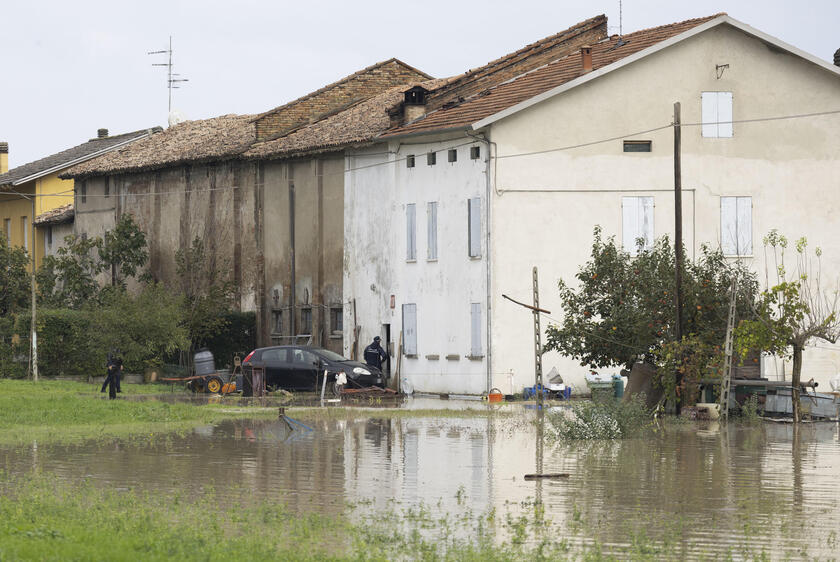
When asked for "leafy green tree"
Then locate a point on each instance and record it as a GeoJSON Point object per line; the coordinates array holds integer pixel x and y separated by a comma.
{"type": "Point", "coordinates": [69, 278]}
{"type": "Point", "coordinates": [123, 250]}
{"type": "Point", "coordinates": [207, 292]}
{"type": "Point", "coordinates": [14, 279]}
{"type": "Point", "coordinates": [621, 310]}
{"type": "Point", "coordinates": [794, 311]}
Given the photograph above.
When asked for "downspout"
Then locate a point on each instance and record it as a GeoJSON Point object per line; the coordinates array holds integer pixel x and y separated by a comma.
{"type": "Point", "coordinates": [488, 193]}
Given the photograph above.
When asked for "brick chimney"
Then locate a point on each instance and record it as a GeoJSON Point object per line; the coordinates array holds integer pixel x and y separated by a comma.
{"type": "Point", "coordinates": [837, 57]}
{"type": "Point", "coordinates": [102, 133]}
{"type": "Point", "coordinates": [4, 157]}
{"type": "Point", "coordinates": [414, 105]}
{"type": "Point", "coordinates": [586, 58]}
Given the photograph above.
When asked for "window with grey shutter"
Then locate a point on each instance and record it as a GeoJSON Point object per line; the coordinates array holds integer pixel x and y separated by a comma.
{"type": "Point", "coordinates": [410, 232]}
{"type": "Point", "coordinates": [431, 228]}
{"type": "Point", "coordinates": [474, 228]}
{"type": "Point", "coordinates": [475, 329]}
{"type": "Point", "coordinates": [636, 223]}
{"type": "Point", "coordinates": [409, 323]}
{"type": "Point", "coordinates": [736, 226]}
{"type": "Point", "coordinates": [716, 114]}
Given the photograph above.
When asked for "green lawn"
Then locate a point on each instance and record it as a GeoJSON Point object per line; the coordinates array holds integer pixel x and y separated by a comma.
{"type": "Point", "coordinates": [66, 411]}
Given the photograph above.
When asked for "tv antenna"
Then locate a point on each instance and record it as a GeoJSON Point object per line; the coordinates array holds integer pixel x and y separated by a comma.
{"type": "Point", "coordinates": [172, 78]}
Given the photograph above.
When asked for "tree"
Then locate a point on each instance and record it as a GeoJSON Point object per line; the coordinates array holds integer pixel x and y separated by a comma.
{"type": "Point", "coordinates": [14, 279]}
{"type": "Point", "coordinates": [207, 292]}
{"type": "Point", "coordinates": [792, 312]}
{"type": "Point", "coordinates": [69, 278]}
{"type": "Point", "coordinates": [622, 307]}
{"type": "Point", "coordinates": [123, 250]}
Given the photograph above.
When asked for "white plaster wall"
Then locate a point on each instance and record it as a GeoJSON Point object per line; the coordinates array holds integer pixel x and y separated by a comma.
{"type": "Point", "coordinates": [376, 266]}
{"type": "Point", "coordinates": [546, 205]}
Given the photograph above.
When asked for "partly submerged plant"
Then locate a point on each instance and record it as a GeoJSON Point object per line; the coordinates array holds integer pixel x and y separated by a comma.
{"type": "Point", "coordinates": [602, 420]}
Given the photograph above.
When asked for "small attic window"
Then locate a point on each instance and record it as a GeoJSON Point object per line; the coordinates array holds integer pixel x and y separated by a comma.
{"type": "Point", "coordinates": [453, 155]}
{"type": "Point", "coordinates": [416, 96]}
{"type": "Point", "coordinates": [431, 158]}
{"type": "Point", "coordinates": [409, 161]}
{"type": "Point", "coordinates": [475, 152]}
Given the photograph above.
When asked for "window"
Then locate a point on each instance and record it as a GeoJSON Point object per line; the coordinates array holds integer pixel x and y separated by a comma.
{"type": "Point", "coordinates": [475, 329]}
{"type": "Point", "coordinates": [431, 159]}
{"type": "Point", "coordinates": [7, 229]}
{"type": "Point", "coordinates": [409, 161]}
{"type": "Point", "coordinates": [475, 152]}
{"type": "Point", "coordinates": [431, 230]}
{"type": "Point", "coordinates": [410, 232]}
{"type": "Point", "coordinates": [453, 155]}
{"type": "Point", "coordinates": [637, 223]}
{"type": "Point", "coordinates": [84, 191]}
{"type": "Point", "coordinates": [337, 319]}
{"type": "Point", "coordinates": [107, 187]}
{"type": "Point", "coordinates": [275, 355]}
{"type": "Point", "coordinates": [736, 226]}
{"type": "Point", "coordinates": [304, 357]}
{"type": "Point", "coordinates": [637, 146]}
{"type": "Point", "coordinates": [409, 326]}
{"type": "Point", "coordinates": [716, 114]}
{"type": "Point", "coordinates": [474, 228]}
{"type": "Point", "coordinates": [306, 320]}
{"type": "Point", "coordinates": [49, 236]}
{"type": "Point", "coordinates": [276, 321]}
{"type": "Point", "coordinates": [24, 224]}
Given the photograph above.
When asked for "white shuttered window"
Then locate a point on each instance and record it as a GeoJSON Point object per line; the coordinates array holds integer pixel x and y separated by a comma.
{"type": "Point", "coordinates": [410, 232]}
{"type": "Point", "coordinates": [636, 223]}
{"type": "Point", "coordinates": [431, 229]}
{"type": "Point", "coordinates": [736, 226]}
{"type": "Point", "coordinates": [475, 329]}
{"type": "Point", "coordinates": [716, 114]}
{"type": "Point", "coordinates": [409, 321]}
{"type": "Point", "coordinates": [475, 227]}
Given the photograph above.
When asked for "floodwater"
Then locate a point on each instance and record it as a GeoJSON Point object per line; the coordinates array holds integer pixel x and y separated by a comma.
{"type": "Point", "coordinates": [705, 488]}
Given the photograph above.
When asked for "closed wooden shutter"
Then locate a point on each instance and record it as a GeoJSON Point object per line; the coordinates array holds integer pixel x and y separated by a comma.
{"type": "Point", "coordinates": [409, 319]}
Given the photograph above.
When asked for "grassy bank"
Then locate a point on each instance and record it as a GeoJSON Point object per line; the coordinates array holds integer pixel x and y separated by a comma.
{"type": "Point", "coordinates": [66, 412]}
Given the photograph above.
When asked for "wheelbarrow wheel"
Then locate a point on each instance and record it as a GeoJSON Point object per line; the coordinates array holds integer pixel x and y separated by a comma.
{"type": "Point", "coordinates": [214, 385]}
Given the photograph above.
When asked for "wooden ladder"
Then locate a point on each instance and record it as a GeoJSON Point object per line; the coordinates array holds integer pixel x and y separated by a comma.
{"type": "Point", "coordinates": [726, 381]}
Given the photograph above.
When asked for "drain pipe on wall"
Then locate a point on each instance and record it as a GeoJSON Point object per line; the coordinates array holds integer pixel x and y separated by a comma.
{"type": "Point", "coordinates": [488, 191]}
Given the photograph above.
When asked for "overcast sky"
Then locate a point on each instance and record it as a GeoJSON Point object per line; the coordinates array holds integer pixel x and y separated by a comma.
{"type": "Point", "coordinates": [70, 68]}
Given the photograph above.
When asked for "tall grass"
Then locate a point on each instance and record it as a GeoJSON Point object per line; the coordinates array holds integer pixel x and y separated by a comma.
{"type": "Point", "coordinates": [602, 420]}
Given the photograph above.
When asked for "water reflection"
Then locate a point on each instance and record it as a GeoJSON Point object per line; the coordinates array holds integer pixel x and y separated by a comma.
{"type": "Point", "coordinates": [711, 488]}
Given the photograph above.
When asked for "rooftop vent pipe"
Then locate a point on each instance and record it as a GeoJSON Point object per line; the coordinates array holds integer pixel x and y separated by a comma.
{"type": "Point", "coordinates": [102, 133]}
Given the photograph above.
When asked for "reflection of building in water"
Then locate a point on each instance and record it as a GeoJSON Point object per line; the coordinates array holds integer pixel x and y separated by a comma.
{"type": "Point", "coordinates": [420, 459]}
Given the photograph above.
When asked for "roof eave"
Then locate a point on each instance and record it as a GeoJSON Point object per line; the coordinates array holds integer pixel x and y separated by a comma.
{"type": "Point", "coordinates": [433, 131]}
{"type": "Point", "coordinates": [647, 52]}
{"type": "Point", "coordinates": [79, 160]}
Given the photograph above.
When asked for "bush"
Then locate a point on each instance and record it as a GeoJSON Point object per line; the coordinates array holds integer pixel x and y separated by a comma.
{"type": "Point", "coordinates": [240, 335]}
{"type": "Point", "coordinates": [602, 420]}
{"type": "Point", "coordinates": [13, 356]}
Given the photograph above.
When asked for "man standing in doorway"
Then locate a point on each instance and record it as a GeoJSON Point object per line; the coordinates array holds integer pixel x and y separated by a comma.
{"type": "Point", "coordinates": [374, 354]}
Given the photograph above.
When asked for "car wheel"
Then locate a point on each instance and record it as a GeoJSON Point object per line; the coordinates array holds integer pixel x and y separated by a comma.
{"type": "Point", "coordinates": [337, 389]}
{"type": "Point", "coordinates": [214, 385]}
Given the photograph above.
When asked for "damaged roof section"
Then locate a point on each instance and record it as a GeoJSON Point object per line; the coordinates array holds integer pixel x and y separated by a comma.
{"type": "Point", "coordinates": [335, 97]}
{"type": "Point", "coordinates": [220, 138]}
{"type": "Point", "coordinates": [59, 215]}
{"type": "Point", "coordinates": [66, 158]}
{"type": "Point", "coordinates": [507, 94]}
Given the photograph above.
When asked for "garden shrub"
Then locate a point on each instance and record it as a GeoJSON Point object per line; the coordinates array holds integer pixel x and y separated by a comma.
{"type": "Point", "coordinates": [602, 420]}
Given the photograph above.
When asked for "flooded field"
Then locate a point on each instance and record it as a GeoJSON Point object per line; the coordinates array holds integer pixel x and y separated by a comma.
{"type": "Point", "coordinates": [688, 491]}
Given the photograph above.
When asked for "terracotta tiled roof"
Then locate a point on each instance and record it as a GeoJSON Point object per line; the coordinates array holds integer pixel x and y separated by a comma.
{"type": "Point", "coordinates": [59, 215]}
{"type": "Point", "coordinates": [354, 125]}
{"type": "Point", "coordinates": [65, 157]}
{"type": "Point", "coordinates": [528, 85]}
{"type": "Point", "coordinates": [206, 140]}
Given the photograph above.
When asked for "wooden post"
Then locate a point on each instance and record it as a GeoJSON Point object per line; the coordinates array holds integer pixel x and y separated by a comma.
{"type": "Point", "coordinates": [538, 377]}
{"type": "Point", "coordinates": [678, 242]}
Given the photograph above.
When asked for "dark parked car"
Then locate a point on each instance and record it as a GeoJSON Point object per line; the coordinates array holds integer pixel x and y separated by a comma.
{"type": "Point", "coordinates": [296, 367]}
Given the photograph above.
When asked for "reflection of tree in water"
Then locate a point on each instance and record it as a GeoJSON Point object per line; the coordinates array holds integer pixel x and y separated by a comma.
{"type": "Point", "coordinates": [674, 486]}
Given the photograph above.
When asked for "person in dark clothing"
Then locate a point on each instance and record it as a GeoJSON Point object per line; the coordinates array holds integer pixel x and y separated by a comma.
{"type": "Point", "coordinates": [374, 354]}
{"type": "Point", "coordinates": [112, 377]}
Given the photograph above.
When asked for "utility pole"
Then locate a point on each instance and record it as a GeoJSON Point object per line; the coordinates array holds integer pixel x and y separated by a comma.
{"type": "Point", "coordinates": [678, 242]}
{"type": "Point", "coordinates": [34, 340]}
